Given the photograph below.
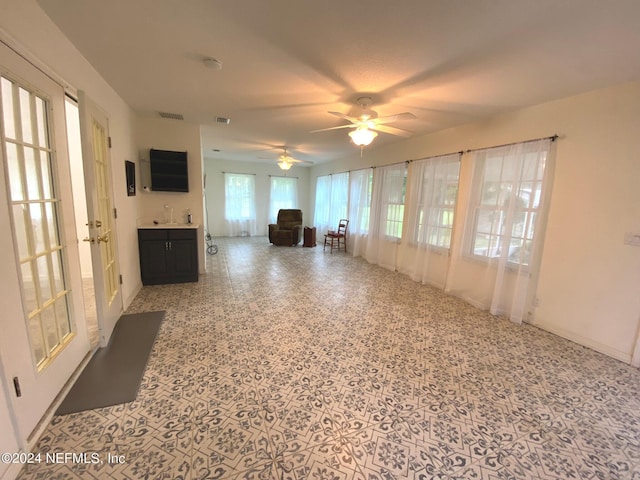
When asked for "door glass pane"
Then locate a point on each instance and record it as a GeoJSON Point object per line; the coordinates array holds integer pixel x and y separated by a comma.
{"type": "Point", "coordinates": [46, 175]}
{"type": "Point", "coordinates": [33, 187]}
{"type": "Point", "coordinates": [41, 123]}
{"type": "Point", "coordinates": [8, 110]}
{"type": "Point", "coordinates": [35, 219]}
{"type": "Point", "coordinates": [15, 178]}
{"type": "Point", "coordinates": [50, 328]}
{"type": "Point", "coordinates": [35, 337]}
{"type": "Point", "coordinates": [44, 279]}
{"type": "Point", "coordinates": [25, 116]}
{"type": "Point", "coordinates": [20, 229]}
{"type": "Point", "coordinates": [58, 280]}
{"type": "Point", "coordinates": [52, 230]}
{"type": "Point", "coordinates": [28, 288]}
{"type": "Point", "coordinates": [62, 314]}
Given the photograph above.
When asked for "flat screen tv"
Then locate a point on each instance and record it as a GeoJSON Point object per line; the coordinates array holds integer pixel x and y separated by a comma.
{"type": "Point", "coordinates": [168, 171]}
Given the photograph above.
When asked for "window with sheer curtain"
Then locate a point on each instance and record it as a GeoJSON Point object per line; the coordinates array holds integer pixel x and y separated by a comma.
{"type": "Point", "coordinates": [507, 195]}
{"type": "Point", "coordinates": [360, 184]}
{"type": "Point", "coordinates": [495, 265]}
{"type": "Point", "coordinates": [332, 193]}
{"type": "Point", "coordinates": [387, 211]}
{"type": "Point", "coordinates": [283, 194]}
{"type": "Point", "coordinates": [240, 204]}
{"type": "Point", "coordinates": [433, 190]}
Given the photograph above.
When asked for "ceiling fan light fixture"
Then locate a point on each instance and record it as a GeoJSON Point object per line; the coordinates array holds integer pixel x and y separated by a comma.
{"type": "Point", "coordinates": [362, 136]}
{"type": "Point", "coordinates": [284, 165]}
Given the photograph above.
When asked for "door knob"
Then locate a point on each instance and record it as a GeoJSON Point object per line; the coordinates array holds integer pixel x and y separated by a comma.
{"type": "Point", "coordinates": [103, 238]}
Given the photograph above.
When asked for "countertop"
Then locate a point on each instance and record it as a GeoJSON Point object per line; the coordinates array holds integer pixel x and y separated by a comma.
{"type": "Point", "coordinates": [168, 225]}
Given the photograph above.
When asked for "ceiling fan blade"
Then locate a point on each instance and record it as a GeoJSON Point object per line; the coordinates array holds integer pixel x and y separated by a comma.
{"type": "Point", "coordinates": [295, 160]}
{"type": "Point", "coordinates": [391, 130]}
{"type": "Point", "coordinates": [334, 128]}
{"type": "Point", "coordinates": [393, 118]}
{"type": "Point", "coordinates": [345, 116]}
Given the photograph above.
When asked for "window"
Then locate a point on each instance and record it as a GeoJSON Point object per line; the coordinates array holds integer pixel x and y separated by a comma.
{"type": "Point", "coordinates": [393, 197]}
{"type": "Point", "coordinates": [332, 193]}
{"type": "Point", "coordinates": [507, 195]}
{"type": "Point", "coordinates": [434, 189]}
{"type": "Point", "coordinates": [284, 194]}
{"type": "Point", "coordinates": [35, 219]}
{"type": "Point", "coordinates": [239, 204]}
{"type": "Point", "coordinates": [360, 185]}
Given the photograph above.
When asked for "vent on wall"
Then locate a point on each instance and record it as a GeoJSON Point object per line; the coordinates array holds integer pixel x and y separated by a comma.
{"type": "Point", "coordinates": [172, 116]}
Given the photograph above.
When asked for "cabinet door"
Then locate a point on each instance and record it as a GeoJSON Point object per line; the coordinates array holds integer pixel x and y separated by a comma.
{"type": "Point", "coordinates": [185, 260]}
{"type": "Point", "coordinates": [155, 267]}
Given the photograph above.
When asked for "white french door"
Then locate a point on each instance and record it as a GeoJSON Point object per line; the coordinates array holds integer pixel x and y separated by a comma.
{"type": "Point", "coordinates": [94, 133]}
{"type": "Point", "coordinates": [44, 336]}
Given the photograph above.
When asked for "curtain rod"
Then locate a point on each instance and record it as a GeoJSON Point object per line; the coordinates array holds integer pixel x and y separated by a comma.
{"type": "Point", "coordinates": [553, 138]}
{"type": "Point", "coordinates": [460, 152]}
{"type": "Point", "coordinates": [282, 176]}
{"type": "Point", "coordinates": [238, 173]}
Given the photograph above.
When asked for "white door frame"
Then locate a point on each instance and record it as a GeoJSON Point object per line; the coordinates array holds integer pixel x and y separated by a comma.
{"type": "Point", "coordinates": [39, 388]}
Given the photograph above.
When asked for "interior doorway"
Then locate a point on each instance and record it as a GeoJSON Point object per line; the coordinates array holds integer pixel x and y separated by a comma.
{"type": "Point", "coordinates": [81, 218]}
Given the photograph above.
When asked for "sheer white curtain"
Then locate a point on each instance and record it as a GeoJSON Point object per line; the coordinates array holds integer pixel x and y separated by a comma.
{"type": "Point", "coordinates": [239, 204]}
{"type": "Point", "coordinates": [283, 194]}
{"type": "Point", "coordinates": [323, 204]}
{"type": "Point", "coordinates": [331, 201]}
{"type": "Point", "coordinates": [496, 261]}
{"type": "Point", "coordinates": [387, 212]}
{"type": "Point", "coordinates": [339, 198]}
{"type": "Point", "coordinates": [360, 182]}
{"type": "Point", "coordinates": [432, 189]}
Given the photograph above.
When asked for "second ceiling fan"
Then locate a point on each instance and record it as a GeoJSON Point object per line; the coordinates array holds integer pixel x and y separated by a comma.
{"type": "Point", "coordinates": [285, 161]}
{"type": "Point", "coordinates": [367, 123]}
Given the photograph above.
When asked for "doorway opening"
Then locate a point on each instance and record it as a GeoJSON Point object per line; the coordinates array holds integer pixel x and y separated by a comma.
{"type": "Point", "coordinates": [72, 114]}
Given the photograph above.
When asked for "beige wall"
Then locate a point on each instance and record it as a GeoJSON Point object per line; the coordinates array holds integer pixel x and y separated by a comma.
{"type": "Point", "coordinates": [589, 284]}
{"type": "Point", "coordinates": [214, 169]}
{"type": "Point", "coordinates": [175, 135]}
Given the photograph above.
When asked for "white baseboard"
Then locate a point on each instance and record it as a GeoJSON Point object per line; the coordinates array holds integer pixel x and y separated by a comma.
{"type": "Point", "coordinates": [585, 341]}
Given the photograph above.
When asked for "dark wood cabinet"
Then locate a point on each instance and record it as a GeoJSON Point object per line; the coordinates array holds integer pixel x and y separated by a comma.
{"type": "Point", "coordinates": [168, 255]}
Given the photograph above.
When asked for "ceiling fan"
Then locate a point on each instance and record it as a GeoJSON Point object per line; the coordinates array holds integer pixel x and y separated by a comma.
{"type": "Point", "coordinates": [286, 161]}
{"type": "Point", "coordinates": [367, 123]}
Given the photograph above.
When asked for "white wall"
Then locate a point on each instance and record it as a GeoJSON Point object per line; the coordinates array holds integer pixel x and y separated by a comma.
{"type": "Point", "coordinates": [214, 169]}
{"type": "Point", "coordinates": [25, 21]}
{"type": "Point", "coordinates": [175, 135]}
{"type": "Point", "coordinates": [24, 25]}
{"type": "Point", "coordinates": [589, 284]}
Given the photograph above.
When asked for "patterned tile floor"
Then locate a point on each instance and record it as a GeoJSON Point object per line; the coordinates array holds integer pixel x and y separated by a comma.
{"type": "Point", "coordinates": [291, 363]}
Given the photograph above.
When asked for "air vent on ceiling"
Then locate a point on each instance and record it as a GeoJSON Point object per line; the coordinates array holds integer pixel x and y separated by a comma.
{"type": "Point", "coordinates": [172, 116]}
{"type": "Point", "coordinates": [223, 120]}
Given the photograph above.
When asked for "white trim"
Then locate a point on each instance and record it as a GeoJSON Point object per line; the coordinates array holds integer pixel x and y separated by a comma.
{"type": "Point", "coordinates": [23, 52]}
{"type": "Point", "coordinates": [585, 342]}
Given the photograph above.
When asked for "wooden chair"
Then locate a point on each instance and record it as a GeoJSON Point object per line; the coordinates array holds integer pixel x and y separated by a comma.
{"type": "Point", "coordinates": [337, 237]}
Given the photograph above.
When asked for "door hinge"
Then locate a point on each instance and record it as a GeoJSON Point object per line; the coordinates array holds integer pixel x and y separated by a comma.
{"type": "Point", "coordinates": [109, 141]}
{"type": "Point", "coordinates": [115, 212]}
{"type": "Point", "coordinates": [120, 279]}
{"type": "Point", "coordinates": [16, 385]}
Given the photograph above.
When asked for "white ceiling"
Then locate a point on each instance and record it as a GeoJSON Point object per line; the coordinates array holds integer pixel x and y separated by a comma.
{"type": "Point", "coordinates": [287, 63]}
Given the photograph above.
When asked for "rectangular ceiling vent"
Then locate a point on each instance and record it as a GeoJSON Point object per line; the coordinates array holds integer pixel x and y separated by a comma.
{"type": "Point", "coordinates": [172, 116]}
{"type": "Point", "coordinates": [223, 120]}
